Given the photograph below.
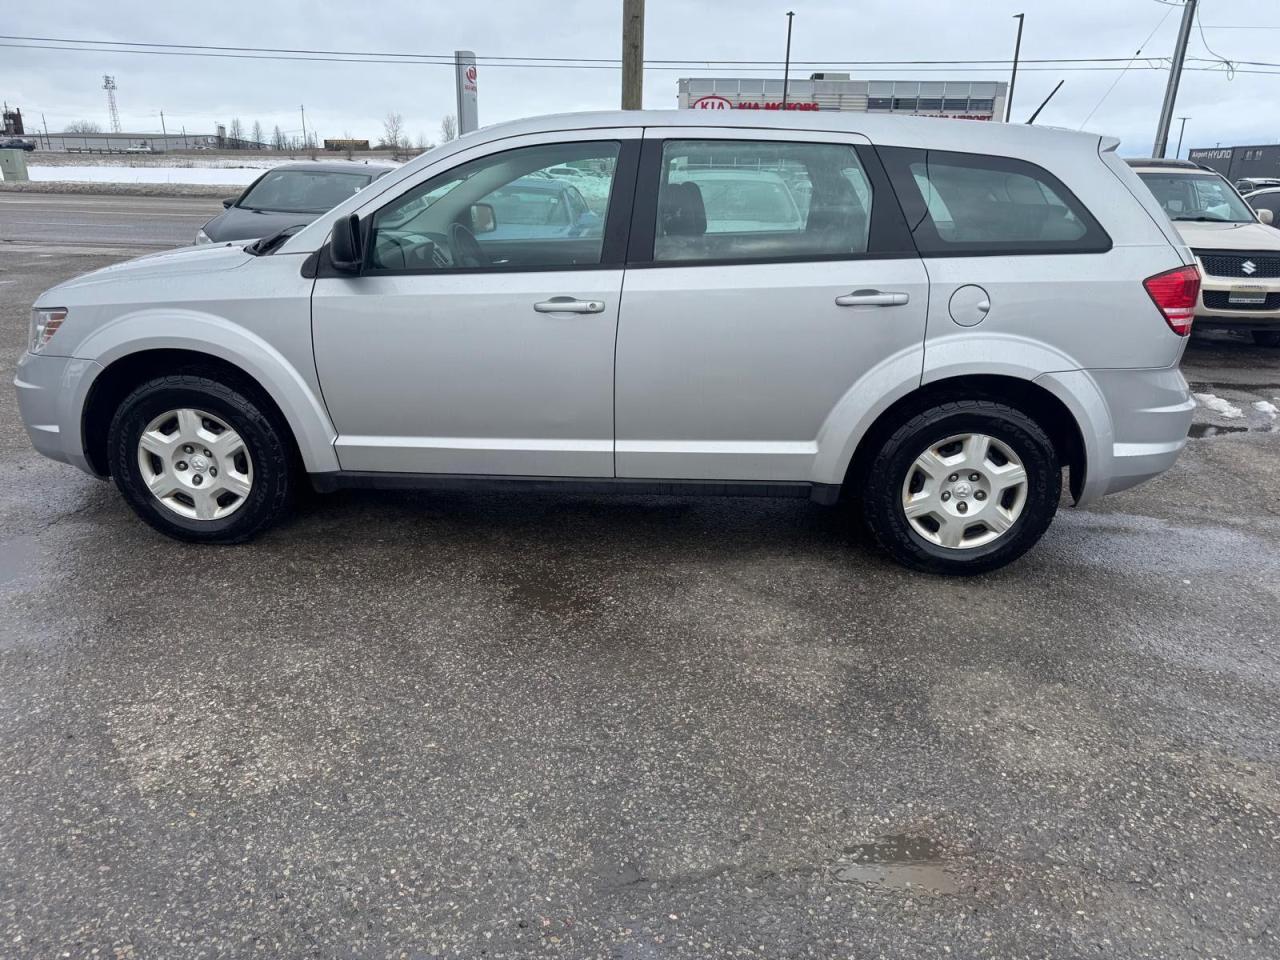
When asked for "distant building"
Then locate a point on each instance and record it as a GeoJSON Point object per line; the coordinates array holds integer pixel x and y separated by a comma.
{"type": "Point", "coordinates": [346, 144]}
{"type": "Point", "coordinates": [962, 99]}
{"type": "Point", "coordinates": [1236, 163]}
{"type": "Point", "coordinates": [11, 122]}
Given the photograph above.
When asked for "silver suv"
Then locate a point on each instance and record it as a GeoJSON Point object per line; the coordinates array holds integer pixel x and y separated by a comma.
{"type": "Point", "coordinates": [931, 317]}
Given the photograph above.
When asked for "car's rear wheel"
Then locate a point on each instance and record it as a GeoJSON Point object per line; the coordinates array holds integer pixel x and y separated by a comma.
{"type": "Point", "coordinates": [1267, 338]}
{"type": "Point", "coordinates": [200, 460]}
{"type": "Point", "coordinates": [963, 488]}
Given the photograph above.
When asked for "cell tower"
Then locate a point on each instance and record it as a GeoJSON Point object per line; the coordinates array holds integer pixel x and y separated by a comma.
{"type": "Point", "coordinates": [109, 85]}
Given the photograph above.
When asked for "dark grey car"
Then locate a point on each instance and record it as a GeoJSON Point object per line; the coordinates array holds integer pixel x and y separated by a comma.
{"type": "Point", "coordinates": [288, 195]}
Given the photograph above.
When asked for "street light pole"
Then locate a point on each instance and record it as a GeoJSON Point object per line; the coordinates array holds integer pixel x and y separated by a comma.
{"type": "Point", "coordinates": [303, 109]}
{"type": "Point", "coordinates": [1175, 75]}
{"type": "Point", "coordinates": [1177, 154]}
{"type": "Point", "coordinates": [164, 132]}
{"type": "Point", "coordinates": [786, 69]}
{"type": "Point", "coordinates": [1013, 77]}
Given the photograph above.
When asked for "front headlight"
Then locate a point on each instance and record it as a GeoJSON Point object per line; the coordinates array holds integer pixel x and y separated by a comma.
{"type": "Point", "coordinates": [45, 322]}
{"type": "Point", "coordinates": [202, 237]}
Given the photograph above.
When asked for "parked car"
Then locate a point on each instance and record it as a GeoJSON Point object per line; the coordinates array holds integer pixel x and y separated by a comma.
{"type": "Point", "coordinates": [533, 207]}
{"type": "Point", "coordinates": [1249, 184]}
{"type": "Point", "coordinates": [16, 143]}
{"type": "Point", "coordinates": [1268, 198]}
{"type": "Point", "coordinates": [1238, 251]}
{"type": "Point", "coordinates": [288, 195]}
{"type": "Point", "coordinates": [1008, 301]}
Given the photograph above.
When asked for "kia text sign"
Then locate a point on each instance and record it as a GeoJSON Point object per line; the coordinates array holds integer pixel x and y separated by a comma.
{"type": "Point", "coordinates": [724, 103]}
{"type": "Point", "coordinates": [468, 91]}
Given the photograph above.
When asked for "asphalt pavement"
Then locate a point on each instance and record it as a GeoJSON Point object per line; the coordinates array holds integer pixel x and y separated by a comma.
{"type": "Point", "coordinates": [94, 219]}
{"type": "Point", "coordinates": [444, 724]}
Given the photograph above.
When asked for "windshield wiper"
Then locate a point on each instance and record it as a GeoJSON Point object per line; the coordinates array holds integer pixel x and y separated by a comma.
{"type": "Point", "coordinates": [1208, 220]}
{"type": "Point", "coordinates": [267, 245]}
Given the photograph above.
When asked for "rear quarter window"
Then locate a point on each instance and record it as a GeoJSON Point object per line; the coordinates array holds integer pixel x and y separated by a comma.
{"type": "Point", "coordinates": [961, 204]}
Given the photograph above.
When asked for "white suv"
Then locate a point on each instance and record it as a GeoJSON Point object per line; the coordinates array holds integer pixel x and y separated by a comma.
{"type": "Point", "coordinates": [933, 317]}
{"type": "Point", "coordinates": [1238, 250]}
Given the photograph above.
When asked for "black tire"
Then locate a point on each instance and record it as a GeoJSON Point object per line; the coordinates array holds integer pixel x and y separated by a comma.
{"type": "Point", "coordinates": [1266, 338]}
{"type": "Point", "coordinates": [883, 484]}
{"type": "Point", "coordinates": [266, 439]}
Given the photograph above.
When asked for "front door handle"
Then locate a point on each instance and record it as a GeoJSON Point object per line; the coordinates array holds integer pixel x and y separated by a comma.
{"type": "Point", "coordinates": [872, 298]}
{"type": "Point", "coordinates": [569, 305]}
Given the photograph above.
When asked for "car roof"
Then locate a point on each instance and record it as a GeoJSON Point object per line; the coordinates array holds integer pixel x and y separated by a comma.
{"type": "Point", "coordinates": [1191, 169]}
{"type": "Point", "coordinates": [1162, 162]}
{"type": "Point", "coordinates": [1254, 193]}
{"type": "Point", "coordinates": [941, 133]}
{"type": "Point", "coordinates": [335, 166]}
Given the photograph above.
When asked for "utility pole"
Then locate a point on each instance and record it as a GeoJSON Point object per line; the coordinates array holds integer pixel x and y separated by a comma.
{"type": "Point", "coordinates": [1013, 77]}
{"type": "Point", "coordinates": [1175, 75]}
{"type": "Point", "coordinates": [632, 54]}
{"type": "Point", "coordinates": [1177, 154]}
{"type": "Point", "coordinates": [304, 125]}
{"type": "Point", "coordinates": [45, 123]}
{"type": "Point", "coordinates": [184, 138]}
{"type": "Point", "coordinates": [786, 69]}
{"type": "Point", "coordinates": [164, 132]}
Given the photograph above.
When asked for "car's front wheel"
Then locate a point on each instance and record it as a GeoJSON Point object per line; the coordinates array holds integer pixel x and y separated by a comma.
{"type": "Point", "coordinates": [963, 488]}
{"type": "Point", "coordinates": [200, 460]}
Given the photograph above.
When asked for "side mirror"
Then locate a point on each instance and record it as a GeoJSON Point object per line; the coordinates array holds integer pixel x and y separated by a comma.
{"type": "Point", "coordinates": [230, 202]}
{"type": "Point", "coordinates": [483, 219]}
{"type": "Point", "coordinates": [1266, 216]}
{"type": "Point", "coordinates": [344, 245]}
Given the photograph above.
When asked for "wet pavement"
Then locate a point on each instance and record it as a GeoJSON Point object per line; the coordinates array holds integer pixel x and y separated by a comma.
{"type": "Point", "coordinates": [419, 725]}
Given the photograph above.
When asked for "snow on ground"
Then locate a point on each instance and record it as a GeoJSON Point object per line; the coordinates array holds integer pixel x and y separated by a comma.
{"type": "Point", "coordinates": [213, 170]}
{"type": "Point", "coordinates": [1267, 407]}
{"type": "Point", "coordinates": [1219, 406]}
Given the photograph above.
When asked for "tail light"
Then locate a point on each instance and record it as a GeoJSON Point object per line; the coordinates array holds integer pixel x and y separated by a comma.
{"type": "Point", "coordinates": [1175, 293]}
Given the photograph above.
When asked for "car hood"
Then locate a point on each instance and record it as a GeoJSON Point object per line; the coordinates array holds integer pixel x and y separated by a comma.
{"type": "Point", "coordinates": [166, 264]}
{"type": "Point", "coordinates": [236, 223]}
{"type": "Point", "coordinates": [1228, 236]}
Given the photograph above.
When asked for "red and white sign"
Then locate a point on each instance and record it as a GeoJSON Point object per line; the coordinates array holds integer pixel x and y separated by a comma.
{"type": "Point", "coordinates": [715, 102]}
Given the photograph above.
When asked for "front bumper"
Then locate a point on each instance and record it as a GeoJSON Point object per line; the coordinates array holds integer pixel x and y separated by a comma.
{"type": "Point", "coordinates": [1134, 422]}
{"type": "Point", "coordinates": [51, 393]}
{"type": "Point", "coordinates": [1216, 309]}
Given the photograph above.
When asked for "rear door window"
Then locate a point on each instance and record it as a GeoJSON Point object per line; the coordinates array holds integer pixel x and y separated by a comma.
{"type": "Point", "coordinates": [959, 203]}
{"type": "Point", "coordinates": [736, 200]}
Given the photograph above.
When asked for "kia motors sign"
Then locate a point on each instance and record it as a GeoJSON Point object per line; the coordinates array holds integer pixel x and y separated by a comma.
{"type": "Point", "coordinates": [712, 103]}
{"type": "Point", "coordinates": [468, 92]}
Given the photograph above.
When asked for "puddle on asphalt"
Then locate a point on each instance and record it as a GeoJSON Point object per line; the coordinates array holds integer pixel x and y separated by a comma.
{"type": "Point", "coordinates": [1201, 430]}
{"type": "Point", "coordinates": [912, 864]}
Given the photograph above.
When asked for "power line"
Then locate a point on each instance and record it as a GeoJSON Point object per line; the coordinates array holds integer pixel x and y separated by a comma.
{"type": "Point", "coordinates": [1081, 64]}
{"type": "Point", "coordinates": [1117, 80]}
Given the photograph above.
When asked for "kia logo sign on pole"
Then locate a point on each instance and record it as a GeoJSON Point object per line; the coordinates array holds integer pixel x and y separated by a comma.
{"type": "Point", "coordinates": [712, 103]}
{"type": "Point", "coordinates": [465, 80]}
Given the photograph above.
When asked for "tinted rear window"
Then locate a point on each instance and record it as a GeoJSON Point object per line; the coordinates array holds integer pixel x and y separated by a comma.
{"type": "Point", "coordinates": [961, 203]}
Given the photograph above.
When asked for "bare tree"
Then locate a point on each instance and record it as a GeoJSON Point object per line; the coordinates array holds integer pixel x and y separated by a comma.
{"type": "Point", "coordinates": [448, 128]}
{"type": "Point", "coordinates": [423, 143]}
{"type": "Point", "coordinates": [257, 135]}
{"type": "Point", "coordinates": [393, 131]}
{"type": "Point", "coordinates": [277, 139]}
{"type": "Point", "coordinates": [347, 148]}
{"type": "Point", "coordinates": [236, 133]}
{"type": "Point", "coordinates": [83, 126]}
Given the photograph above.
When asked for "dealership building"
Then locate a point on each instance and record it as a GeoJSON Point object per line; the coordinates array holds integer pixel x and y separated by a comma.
{"type": "Point", "coordinates": [1236, 163]}
{"type": "Point", "coordinates": [964, 99]}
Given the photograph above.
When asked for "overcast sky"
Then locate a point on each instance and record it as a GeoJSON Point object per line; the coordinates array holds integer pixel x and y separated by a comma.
{"type": "Point", "coordinates": [352, 98]}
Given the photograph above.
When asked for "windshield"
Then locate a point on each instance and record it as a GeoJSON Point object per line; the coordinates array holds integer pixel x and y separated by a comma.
{"type": "Point", "coordinates": [302, 191]}
{"type": "Point", "coordinates": [1197, 196]}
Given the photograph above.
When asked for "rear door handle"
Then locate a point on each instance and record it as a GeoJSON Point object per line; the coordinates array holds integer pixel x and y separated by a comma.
{"type": "Point", "coordinates": [872, 298]}
{"type": "Point", "coordinates": [569, 305]}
